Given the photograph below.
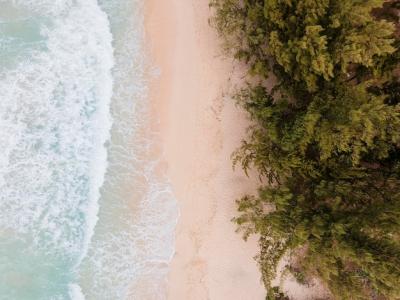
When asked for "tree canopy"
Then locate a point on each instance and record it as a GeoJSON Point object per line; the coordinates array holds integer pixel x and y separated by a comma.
{"type": "Point", "coordinates": [325, 137]}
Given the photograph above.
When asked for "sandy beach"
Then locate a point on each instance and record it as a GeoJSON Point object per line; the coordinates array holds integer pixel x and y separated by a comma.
{"type": "Point", "coordinates": [200, 128]}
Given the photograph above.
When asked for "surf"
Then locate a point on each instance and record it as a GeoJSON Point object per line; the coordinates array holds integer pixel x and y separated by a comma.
{"type": "Point", "coordinates": [55, 96]}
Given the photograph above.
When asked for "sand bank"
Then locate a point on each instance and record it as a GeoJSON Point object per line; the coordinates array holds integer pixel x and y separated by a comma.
{"type": "Point", "coordinates": [199, 129]}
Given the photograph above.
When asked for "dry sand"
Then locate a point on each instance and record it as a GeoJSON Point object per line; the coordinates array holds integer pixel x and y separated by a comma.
{"type": "Point", "coordinates": [200, 128]}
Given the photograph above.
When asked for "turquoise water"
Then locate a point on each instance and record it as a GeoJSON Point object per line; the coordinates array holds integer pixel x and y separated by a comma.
{"type": "Point", "coordinates": [84, 213]}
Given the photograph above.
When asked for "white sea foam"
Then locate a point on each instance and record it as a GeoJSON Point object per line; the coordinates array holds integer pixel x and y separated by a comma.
{"type": "Point", "coordinates": [54, 120]}
{"type": "Point", "coordinates": [75, 292]}
{"type": "Point", "coordinates": [49, 7]}
{"type": "Point", "coordinates": [134, 239]}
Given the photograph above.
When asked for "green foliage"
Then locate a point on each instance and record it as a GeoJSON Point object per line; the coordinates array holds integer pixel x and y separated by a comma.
{"type": "Point", "coordinates": [347, 228]}
{"type": "Point", "coordinates": [311, 40]}
{"type": "Point", "coordinates": [326, 137]}
{"type": "Point", "coordinates": [343, 126]}
{"type": "Point", "coordinates": [276, 294]}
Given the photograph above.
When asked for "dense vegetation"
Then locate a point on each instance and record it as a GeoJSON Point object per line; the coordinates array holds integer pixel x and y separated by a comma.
{"type": "Point", "coordinates": [325, 139]}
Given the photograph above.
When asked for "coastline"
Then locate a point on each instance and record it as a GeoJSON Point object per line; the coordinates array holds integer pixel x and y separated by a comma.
{"type": "Point", "coordinates": [200, 128]}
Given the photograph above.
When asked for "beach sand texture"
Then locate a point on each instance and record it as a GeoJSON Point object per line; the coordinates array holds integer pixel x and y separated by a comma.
{"type": "Point", "coordinates": [200, 128]}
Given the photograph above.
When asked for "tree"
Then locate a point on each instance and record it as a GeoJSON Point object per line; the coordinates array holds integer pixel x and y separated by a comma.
{"type": "Point", "coordinates": [310, 41]}
{"type": "Point", "coordinates": [325, 136]}
{"type": "Point", "coordinates": [342, 126]}
{"type": "Point", "coordinates": [349, 230]}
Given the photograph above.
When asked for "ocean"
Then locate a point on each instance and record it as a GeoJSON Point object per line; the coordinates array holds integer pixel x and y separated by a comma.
{"type": "Point", "coordinates": [86, 211]}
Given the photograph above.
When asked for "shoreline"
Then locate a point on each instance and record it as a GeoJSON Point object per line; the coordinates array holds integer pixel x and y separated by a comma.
{"type": "Point", "coordinates": [199, 130]}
